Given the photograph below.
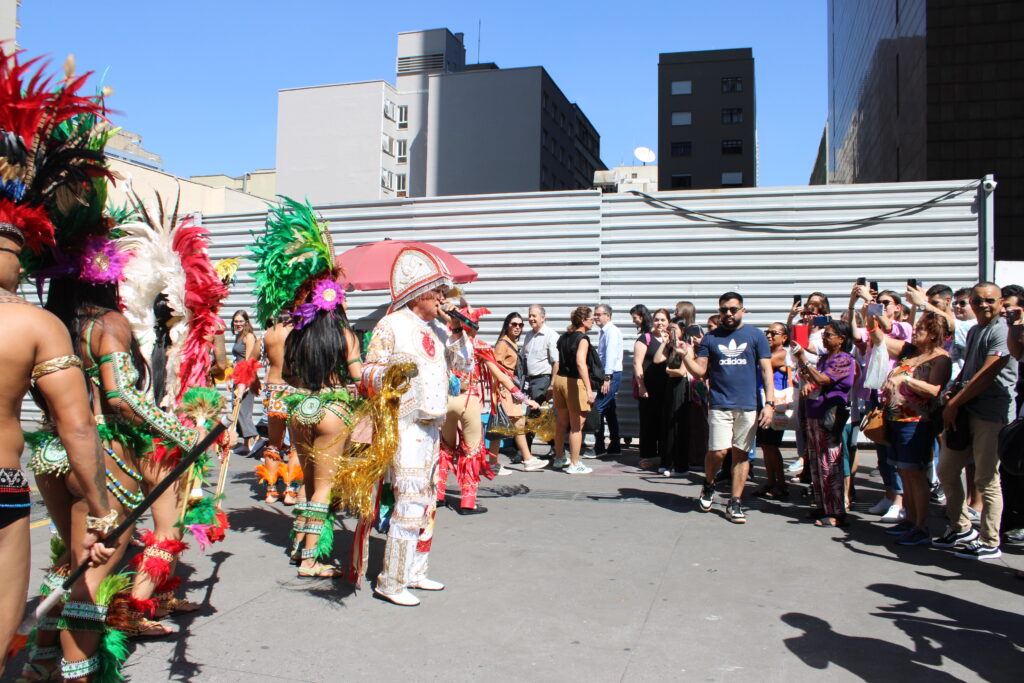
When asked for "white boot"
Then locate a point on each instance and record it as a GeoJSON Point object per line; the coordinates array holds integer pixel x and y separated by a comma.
{"type": "Point", "coordinates": [403, 598]}
{"type": "Point", "coordinates": [426, 584]}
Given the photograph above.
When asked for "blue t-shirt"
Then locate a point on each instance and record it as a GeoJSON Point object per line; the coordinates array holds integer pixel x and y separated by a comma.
{"type": "Point", "coordinates": [733, 367]}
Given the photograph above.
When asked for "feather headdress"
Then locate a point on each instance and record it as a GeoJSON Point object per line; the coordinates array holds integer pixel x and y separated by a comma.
{"type": "Point", "coordinates": [44, 164]}
{"type": "Point", "coordinates": [294, 248]}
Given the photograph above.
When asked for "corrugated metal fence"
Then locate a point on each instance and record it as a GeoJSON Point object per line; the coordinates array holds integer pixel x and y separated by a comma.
{"type": "Point", "coordinates": [563, 249]}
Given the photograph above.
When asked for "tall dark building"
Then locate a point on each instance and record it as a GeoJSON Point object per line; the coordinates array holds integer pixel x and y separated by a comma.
{"type": "Point", "coordinates": [930, 90]}
{"type": "Point", "coordinates": [707, 119]}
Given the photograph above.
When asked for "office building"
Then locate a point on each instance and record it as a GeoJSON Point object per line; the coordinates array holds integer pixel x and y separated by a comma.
{"type": "Point", "coordinates": [444, 128]}
{"type": "Point", "coordinates": [929, 90]}
{"type": "Point", "coordinates": [707, 119]}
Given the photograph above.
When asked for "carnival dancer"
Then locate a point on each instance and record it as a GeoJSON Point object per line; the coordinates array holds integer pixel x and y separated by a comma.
{"type": "Point", "coordinates": [275, 391]}
{"type": "Point", "coordinates": [296, 272]}
{"type": "Point", "coordinates": [412, 333]}
{"type": "Point", "coordinates": [171, 296]}
{"type": "Point", "coordinates": [37, 349]}
{"type": "Point", "coordinates": [463, 450]}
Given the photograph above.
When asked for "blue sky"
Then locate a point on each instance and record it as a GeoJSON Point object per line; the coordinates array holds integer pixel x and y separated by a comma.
{"type": "Point", "coordinates": [199, 80]}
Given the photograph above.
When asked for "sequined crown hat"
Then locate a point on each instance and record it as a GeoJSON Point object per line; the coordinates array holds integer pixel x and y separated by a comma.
{"type": "Point", "coordinates": [415, 272]}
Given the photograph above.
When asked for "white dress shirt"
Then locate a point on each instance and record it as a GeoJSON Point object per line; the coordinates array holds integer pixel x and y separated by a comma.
{"type": "Point", "coordinates": [609, 348]}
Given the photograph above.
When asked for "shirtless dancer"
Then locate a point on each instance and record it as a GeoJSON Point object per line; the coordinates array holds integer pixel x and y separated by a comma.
{"type": "Point", "coordinates": [37, 347]}
{"type": "Point", "coordinates": [277, 419]}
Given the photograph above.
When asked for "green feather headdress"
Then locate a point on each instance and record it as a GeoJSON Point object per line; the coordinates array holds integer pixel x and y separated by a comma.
{"type": "Point", "coordinates": [294, 247]}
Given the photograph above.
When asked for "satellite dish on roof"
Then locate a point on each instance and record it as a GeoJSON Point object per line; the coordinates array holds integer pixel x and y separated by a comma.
{"type": "Point", "coordinates": [644, 154]}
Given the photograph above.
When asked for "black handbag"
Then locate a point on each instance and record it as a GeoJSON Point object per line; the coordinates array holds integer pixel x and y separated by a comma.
{"type": "Point", "coordinates": [834, 420]}
{"type": "Point", "coordinates": [500, 425]}
{"type": "Point", "coordinates": [959, 439]}
{"type": "Point", "coordinates": [1011, 448]}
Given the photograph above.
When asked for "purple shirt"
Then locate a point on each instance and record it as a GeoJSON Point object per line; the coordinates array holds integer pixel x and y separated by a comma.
{"type": "Point", "coordinates": [840, 368]}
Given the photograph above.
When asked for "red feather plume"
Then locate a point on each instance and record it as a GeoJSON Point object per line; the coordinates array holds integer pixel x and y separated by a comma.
{"type": "Point", "coordinates": [33, 222]}
{"type": "Point", "coordinates": [244, 373]}
{"type": "Point", "coordinates": [203, 293]}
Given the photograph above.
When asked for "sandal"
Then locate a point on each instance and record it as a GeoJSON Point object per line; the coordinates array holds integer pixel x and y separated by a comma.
{"type": "Point", "coordinates": [319, 571]}
{"type": "Point", "coordinates": [176, 606]}
{"type": "Point", "coordinates": [762, 491]}
{"type": "Point", "coordinates": [289, 497]}
{"type": "Point", "coordinates": [777, 493]}
{"type": "Point", "coordinates": [837, 522]}
{"type": "Point", "coordinates": [33, 672]}
{"type": "Point", "coordinates": [272, 495]}
{"type": "Point", "coordinates": [815, 514]}
{"type": "Point", "coordinates": [146, 628]}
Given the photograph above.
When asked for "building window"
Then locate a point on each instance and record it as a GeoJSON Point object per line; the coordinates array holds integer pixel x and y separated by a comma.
{"type": "Point", "coordinates": [400, 189]}
{"type": "Point", "coordinates": [402, 151]}
{"type": "Point", "coordinates": [732, 146]}
{"type": "Point", "coordinates": [681, 118]}
{"type": "Point", "coordinates": [732, 84]}
{"type": "Point", "coordinates": [732, 179]}
{"type": "Point", "coordinates": [734, 115]}
{"type": "Point", "coordinates": [389, 110]}
{"type": "Point", "coordinates": [682, 87]}
{"type": "Point", "coordinates": [387, 144]}
{"type": "Point", "coordinates": [682, 149]}
{"type": "Point", "coordinates": [402, 114]}
{"type": "Point", "coordinates": [682, 181]}
{"type": "Point", "coordinates": [387, 179]}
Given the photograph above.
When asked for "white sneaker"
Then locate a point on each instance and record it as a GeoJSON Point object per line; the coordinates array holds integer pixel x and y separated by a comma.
{"type": "Point", "coordinates": [588, 453]}
{"type": "Point", "coordinates": [403, 598]}
{"type": "Point", "coordinates": [973, 515]}
{"type": "Point", "coordinates": [578, 469]}
{"type": "Point", "coordinates": [881, 507]}
{"type": "Point", "coordinates": [501, 471]}
{"type": "Point", "coordinates": [560, 463]}
{"type": "Point", "coordinates": [893, 515]}
{"type": "Point", "coordinates": [426, 584]}
{"type": "Point", "coordinates": [534, 464]}
{"type": "Point", "coordinates": [795, 466]}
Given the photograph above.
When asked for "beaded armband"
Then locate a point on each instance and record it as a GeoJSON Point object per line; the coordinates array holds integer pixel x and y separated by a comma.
{"type": "Point", "coordinates": [162, 424]}
{"type": "Point", "coordinates": [80, 669]}
{"type": "Point", "coordinates": [83, 616]}
{"type": "Point", "coordinates": [51, 366]}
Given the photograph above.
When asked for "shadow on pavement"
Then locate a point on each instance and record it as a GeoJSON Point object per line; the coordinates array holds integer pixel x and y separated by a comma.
{"type": "Point", "coordinates": [181, 668]}
{"type": "Point", "coordinates": [872, 659]}
{"type": "Point", "coordinates": [663, 499]}
{"type": "Point", "coordinates": [983, 639]}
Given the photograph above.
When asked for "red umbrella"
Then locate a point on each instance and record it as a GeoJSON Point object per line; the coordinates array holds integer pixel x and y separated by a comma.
{"type": "Point", "coordinates": [368, 266]}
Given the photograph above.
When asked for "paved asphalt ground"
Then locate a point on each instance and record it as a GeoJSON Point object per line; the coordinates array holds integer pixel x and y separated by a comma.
{"type": "Point", "coordinates": [613, 576]}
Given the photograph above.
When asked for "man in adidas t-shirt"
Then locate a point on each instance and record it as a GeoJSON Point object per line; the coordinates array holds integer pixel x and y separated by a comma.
{"type": "Point", "coordinates": [730, 357]}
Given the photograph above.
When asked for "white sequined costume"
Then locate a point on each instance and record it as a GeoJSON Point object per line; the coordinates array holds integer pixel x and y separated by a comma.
{"type": "Point", "coordinates": [404, 337]}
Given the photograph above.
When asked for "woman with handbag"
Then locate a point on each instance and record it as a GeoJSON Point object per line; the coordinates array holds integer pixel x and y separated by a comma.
{"type": "Point", "coordinates": [910, 398]}
{"type": "Point", "coordinates": [826, 393]}
{"type": "Point", "coordinates": [506, 353]}
{"type": "Point", "coordinates": [574, 394]}
{"type": "Point", "coordinates": [770, 438]}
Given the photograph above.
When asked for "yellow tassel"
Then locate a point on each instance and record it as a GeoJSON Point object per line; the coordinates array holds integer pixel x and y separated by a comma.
{"type": "Point", "coordinates": [363, 465]}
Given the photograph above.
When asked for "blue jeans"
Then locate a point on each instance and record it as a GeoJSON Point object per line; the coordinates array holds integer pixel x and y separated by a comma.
{"type": "Point", "coordinates": [607, 408]}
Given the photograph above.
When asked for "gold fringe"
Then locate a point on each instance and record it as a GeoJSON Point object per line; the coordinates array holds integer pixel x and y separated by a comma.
{"type": "Point", "coordinates": [543, 426]}
{"type": "Point", "coordinates": [363, 465]}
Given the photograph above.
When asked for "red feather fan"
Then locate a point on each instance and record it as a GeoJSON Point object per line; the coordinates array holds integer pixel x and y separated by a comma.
{"type": "Point", "coordinates": [203, 293]}
{"type": "Point", "coordinates": [244, 373]}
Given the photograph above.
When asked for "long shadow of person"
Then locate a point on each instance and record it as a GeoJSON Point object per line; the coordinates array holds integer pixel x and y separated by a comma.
{"type": "Point", "coordinates": [966, 631]}
{"type": "Point", "coordinates": [181, 668]}
{"type": "Point", "coordinates": [872, 659]}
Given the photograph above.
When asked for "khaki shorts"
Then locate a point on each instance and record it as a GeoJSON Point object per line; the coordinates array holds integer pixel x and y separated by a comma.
{"type": "Point", "coordinates": [570, 393]}
{"type": "Point", "coordinates": [731, 428]}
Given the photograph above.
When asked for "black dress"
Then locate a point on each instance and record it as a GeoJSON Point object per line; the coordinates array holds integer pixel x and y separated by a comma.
{"type": "Point", "coordinates": [652, 408]}
{"type": "Point", "coordinates": [684, 423]}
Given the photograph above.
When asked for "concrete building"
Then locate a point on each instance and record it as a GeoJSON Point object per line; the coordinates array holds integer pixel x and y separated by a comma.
{"type": "Point", "coordinates": [193, 197]}
{"type": "Point", "coordinates": [9, 25]}
{"type": "Point", "coordinates": [443, 128]}
{"type": "Point", "coordinates": [929, 90]}
{"type": "Point", "coordinates": [261, 183]}
{"type": "Point", "coordinates": [707, 119]}
{"type": "Point", "coordinates": [127, 146]}
{"type": "Point", "coordinates": [626, 178]}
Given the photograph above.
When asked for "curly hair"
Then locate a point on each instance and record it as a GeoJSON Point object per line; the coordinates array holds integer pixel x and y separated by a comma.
{"type": "Point", "coordinates": [579, 314]}
{"type": "Point", "coordinates": [936, 326]}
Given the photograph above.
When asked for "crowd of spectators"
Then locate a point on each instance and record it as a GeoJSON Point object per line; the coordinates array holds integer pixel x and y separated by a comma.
{"type": "Point", "coordinates": [930, 375]}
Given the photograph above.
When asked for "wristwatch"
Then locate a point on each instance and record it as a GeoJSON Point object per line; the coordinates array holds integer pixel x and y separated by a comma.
{"type": "Point", "coordinates": [770, 403]}
{"type": "Point", "coordinates": [608, 378]}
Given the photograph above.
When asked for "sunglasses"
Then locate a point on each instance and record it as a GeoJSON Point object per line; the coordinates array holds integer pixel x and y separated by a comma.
{"type": "Point", "coordinates": [887, 302]}
{"type": "Point", "coordinates": [515, 324]}
{"type": "Point", "coordinates": [963, 303]}
{"type": "Point", "coordinates": [729, 310]}
{"type": "Point", "coordinates": [772, 333]}
{"type": "Point", "coordinates": [829, 335]}
{"type": "Point", "coordinates": [977, 301]}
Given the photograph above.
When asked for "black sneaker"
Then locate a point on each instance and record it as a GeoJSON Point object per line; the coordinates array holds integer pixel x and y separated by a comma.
{"type": "Point", "coordinates": [707, 497]}
{"type": "Point", "coordinates": [734, 512]}
{"type": "Point", "coordinates": [1015, 537]}
{"type": "Point", "coordinates": [938, 496]}
{"type": "Point", "coordinates": [976, 550]}
{"type": "Point", "coordinates": [953, 538]}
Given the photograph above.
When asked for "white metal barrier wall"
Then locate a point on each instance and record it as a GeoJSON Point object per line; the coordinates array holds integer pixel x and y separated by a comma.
{"type": "Point", "coordinates": [563, 249]}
